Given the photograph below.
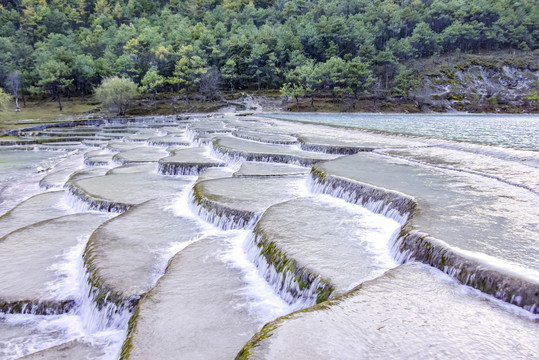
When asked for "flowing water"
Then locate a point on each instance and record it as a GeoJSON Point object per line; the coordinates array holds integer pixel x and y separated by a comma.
{"type": "Point", "coordinates": [221, 237]}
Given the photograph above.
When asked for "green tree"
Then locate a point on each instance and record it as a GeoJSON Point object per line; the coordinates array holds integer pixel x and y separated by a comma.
{"type": "Point", "coordinates": [359, 76]}
{"type": "Point", "coordinates": [151, 83]}
{"type": "Point", "coordinates": [424, 40]}
{"type": "Point", "coordinates": [228, 72]}
{"type": "Point", "coordinates": [84, 71]}
{"type": "Point", "coordinates": [53, 76]}
{"type": "Point", "coordinates": [293, 90]}
{"type": "Point", "coordinates": [332, 75]}
{"type": "Point", "coordinates": [262, 65]}
{"type": "Point", "coordinates": [188, 71]}
{"type": "Point", "coordinates": [4, 100]}
{"type": "Point", "coordinates": [117, 92]}
{"type": "Point", "coordinates": [404, 81]}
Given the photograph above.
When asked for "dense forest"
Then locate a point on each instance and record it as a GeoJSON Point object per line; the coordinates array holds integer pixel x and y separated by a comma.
{"type": "Point", "coordinates": [342, 48]}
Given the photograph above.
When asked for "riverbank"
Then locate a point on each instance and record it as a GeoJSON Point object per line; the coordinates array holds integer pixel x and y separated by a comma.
{"type": "Point", "coordinates": [44, 111]}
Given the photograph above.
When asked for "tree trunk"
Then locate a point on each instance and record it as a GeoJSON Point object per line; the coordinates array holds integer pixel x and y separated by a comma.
{"type": "Point", "coordinates": [17, 108]}
{"type": "Point", "coordinates": [155, 99]}
{"type": "Point", "coordinates": [297, 103]}
{"type": "Point", "coordinates": [59, 101]}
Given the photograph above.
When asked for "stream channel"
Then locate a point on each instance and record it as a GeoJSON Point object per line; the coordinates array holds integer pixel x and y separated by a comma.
{"type": "Point", "coordinates": [249, 237]}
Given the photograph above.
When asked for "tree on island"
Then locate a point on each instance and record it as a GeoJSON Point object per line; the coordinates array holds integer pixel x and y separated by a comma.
{"type": "Point", "coordinates": [4, 100]}
{"type": "Point", "coordinates": [117, 92]}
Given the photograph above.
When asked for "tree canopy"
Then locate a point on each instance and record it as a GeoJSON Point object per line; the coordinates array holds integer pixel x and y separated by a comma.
{"type": "Point", "coordinates": [117, 92]}
{"type": "Point", "coordinates": [340, 47]}
{"type": "Point", "coordinates": [4, 100]}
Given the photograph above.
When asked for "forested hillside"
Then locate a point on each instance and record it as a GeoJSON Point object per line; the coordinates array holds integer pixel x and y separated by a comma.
{"type": "Point", "coordinates": [339, 48]}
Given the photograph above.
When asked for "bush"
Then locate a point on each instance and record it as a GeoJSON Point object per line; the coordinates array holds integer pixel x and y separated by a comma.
{"type": "Point", "coordinates": [4, 100]}
{"type": "Point", "coordinates": [117, 92]}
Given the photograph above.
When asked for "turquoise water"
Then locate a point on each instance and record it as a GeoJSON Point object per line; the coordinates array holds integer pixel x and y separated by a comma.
{"type": "Point", "coordinates": [520, 131]}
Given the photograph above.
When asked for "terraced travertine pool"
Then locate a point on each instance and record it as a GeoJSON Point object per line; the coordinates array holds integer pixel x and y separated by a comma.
{"type": "Point", "coordinates": [222, 237]}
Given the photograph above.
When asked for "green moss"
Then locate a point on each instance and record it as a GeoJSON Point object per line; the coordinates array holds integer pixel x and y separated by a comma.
{"type": "Point", "coordinates": [127, 346]}
{"type": "Point", "coordinates": [319, 175]}
{"type": "Point", "coordinates": [287, 267]}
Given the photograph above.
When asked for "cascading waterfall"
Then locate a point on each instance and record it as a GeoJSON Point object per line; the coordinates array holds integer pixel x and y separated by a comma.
{"type": "Point", "coordinates": [277, 279]}
{"type": "Point", "coordinates": [413, 245]}
{"type": "Point", "coordinates": [297, 287]}
{"type": "Point", "coordinates": [391, 204]}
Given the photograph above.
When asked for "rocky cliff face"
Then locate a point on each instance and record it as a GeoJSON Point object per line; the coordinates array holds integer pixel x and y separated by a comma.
{"type": "Point", "coordinates": [479, 84]}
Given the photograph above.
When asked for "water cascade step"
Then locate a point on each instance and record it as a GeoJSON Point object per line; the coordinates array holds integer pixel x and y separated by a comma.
{"type": "Point", "coordinates": [125, 256]}
{"type": "Point", "coordinates": [301, 246]}
{"type": "Point", "coordinates": [410, 312]}
{"type": "Point", "coordinates": [441, 205]}
{"type": "Point", "coordinates": [58, 176]}
{"type": "Point", "coordinates": [266, 137]}
{"type": "Point", "coordinates": [169, 140]}
{"type": "Point", "coordinates": [196, 311]}
{"type": "Point", "coordinates": [98, 157]}
{"type": "Point", "coordinates": [139, 155]}
{"type": "Point", "coordinates": [119, 190]}
{"type": "Point", "coordinates": [27, 257]}
{"type": "Point", "coordinates": [232, 203]}
{"type": "Point", "coordinates": [330, 145]}
{"type": "Point", "coordinates": [250, 168]}
{"type": "Point", "coordinates": [190, 161]}
{"type": "Point", "coordinates": [255, 151]}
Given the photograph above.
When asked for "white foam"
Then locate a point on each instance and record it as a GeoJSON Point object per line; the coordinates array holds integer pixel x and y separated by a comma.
{"type": "Point", "coordinates": [501, 265]}
{"type": "Point", "coordinates": [262, 302]}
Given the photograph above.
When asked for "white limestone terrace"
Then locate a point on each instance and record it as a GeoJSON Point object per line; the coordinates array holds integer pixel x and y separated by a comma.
{"type": "Point", "coordinates": [235, 148]}
{"type": "Point", "coordinates": [195, 310]}
{"type": "Point", "coordinates": [301, 247]}
{"type": "Point", "coordinates": [189, 161]}
{"type": "Point", "coordinates": [200, 259]}
{"type": "Point", "coordinates": [121, 189]}
{"type": "Point", "coordinates": [125, 256]}
{"type": "Point", "coordinates": [27, 257]}
{"type": "Point", "coordinates": [237, 202]}
{"type": "Point", "coordinates": [410, 312]}
{"type": "Point", "coordinates": [480, 230]}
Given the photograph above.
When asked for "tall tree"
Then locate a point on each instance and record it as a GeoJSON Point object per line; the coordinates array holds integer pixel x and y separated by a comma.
{"type": "Point", "coordinates": [13, 85]}
{"type": "Point", "coordinates": [54, 76]}
{"type": "Point", "coordinates": [151, 83]}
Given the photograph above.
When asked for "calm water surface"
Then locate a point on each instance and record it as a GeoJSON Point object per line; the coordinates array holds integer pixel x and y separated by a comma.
{"type": "Point", "coordinates": [521, 131]}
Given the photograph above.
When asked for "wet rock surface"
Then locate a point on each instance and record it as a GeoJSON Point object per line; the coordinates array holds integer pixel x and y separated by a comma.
{"type": "Point", "coordinates": [191, 161]}
{"type": "Point", "coordinates": [195, 310]}
{"type": "Point", "coordinates": [419, 314]}
{"type": "Point", "coordinates": [182, 236]}
{"type": "Point", "coordinates": [127, 254]}
{"type": "Point", "coordinates": [27, 257]}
